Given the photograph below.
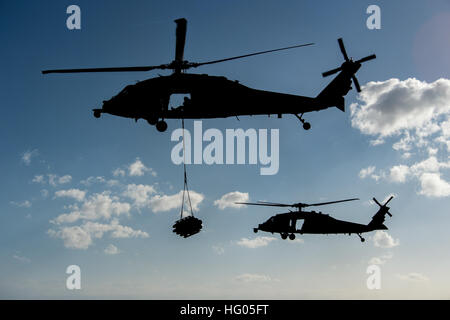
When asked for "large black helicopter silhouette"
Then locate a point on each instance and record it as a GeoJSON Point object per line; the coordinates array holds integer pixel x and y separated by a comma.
{"type": "Point", "coordinates": [317, 222]}
{"type": "Point", "coordinates": [217, 97]}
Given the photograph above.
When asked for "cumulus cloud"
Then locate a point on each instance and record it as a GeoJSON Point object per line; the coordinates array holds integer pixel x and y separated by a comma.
{"type": "Point", "coordinates": [432, 185]}
{"type": "Point", "coordinates": [81, 237]}
{"type": "Point", "coordinates": [119, 173]}
{"type": "Point", "coordinates": [389, 107]}
{"type": "Point", "coordinates": [369, 172]}
{"type": "Point", "coordinates": [252, 277]}
{"type": "Point", "coordinates": [139, 193]}
{"type": "Point", "coordinates": [71, 193]}
{"type": "Point", "coordinates": [398, 173]}
{"type": "Point", "coordinates": [55, 180]}
{"type": "Point", "coordinates": [111, 250]}
{"type": "Point", "coordinates": [417, 115]}
{"type": "Point", "coordinates": [256, 242]}
{"type": "Point", "coordinates": [91, 180]}
{"type": "Point", "coordinates": [38, 179]}
{"type": "Point", "coordinates": [383, 240]}
{"type": "Point", "coordinates": [228, 200]}
{"type": "Point", "coordinates": [74, 237]}
{"type": "Point", "coordinates": [138, 169]}
{"type": "Point", "coordinates": [28, 155]}
{"type": "Point", "coordinates": [161, 203]}
{"type": "Point", "coordinates": [97, 206]}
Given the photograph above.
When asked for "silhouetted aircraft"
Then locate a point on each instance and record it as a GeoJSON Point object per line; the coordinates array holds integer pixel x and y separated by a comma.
{"type": "Point", "coordinates": [317, 222]}
{"type": "Point", "coordinates": [216, 97]}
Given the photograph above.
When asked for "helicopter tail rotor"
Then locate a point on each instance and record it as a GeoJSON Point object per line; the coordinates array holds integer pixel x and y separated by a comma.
{"type": "Point", "coordinates": [378, 218]}
{"type": "Point", "coordinates": [349, 65]}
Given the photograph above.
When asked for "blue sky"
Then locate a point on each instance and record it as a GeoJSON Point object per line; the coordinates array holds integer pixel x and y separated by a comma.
{"type": "Point", "coordinates": [58, 159]}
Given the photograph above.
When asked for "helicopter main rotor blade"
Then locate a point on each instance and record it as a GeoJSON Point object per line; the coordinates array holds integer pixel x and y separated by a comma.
{"type": "Point", "coordinates": [392, 197]}
{"type": "Point", "coordinates": [330, 202]}
{"type": "Point", "coordinates": [197, 64]}
{"type": "Point", "coordinates": [357, 86]}
{"type": "Point", "coordinates": [265, 204]}
{"type": "Point", "coordinates": [329, 73]}
{"type": "Point", "coordinates": [371, 57]}
{"type": "Point", "coordinates": [376, 201]}
{"type": "Point", "coordinates": [180, 39]}
{"type": "Point", "coordinates": [114, 69]}
{"type": "Point", "coordinates": [341, 46]}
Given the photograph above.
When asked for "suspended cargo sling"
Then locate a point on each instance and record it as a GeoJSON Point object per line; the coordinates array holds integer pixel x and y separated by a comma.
{"type": "Point", "coordinates": [189, 225]}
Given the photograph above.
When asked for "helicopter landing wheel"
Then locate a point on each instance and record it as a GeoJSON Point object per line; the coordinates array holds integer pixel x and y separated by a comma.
{"type": "Point", "coordinates": [284, 236]}
{"type": "Point", "coordinates": [152, 120]}
{"type": "Point", "coordinates": [97, 113]}
{"type": "Point", "coordinates": [161, 126]}
{"type": "Point", "coordinates": [292, 236]}
{"type": "Point", "coordinates": [362, 239]}
{"type": "Point", "coordinates": [306, 125]}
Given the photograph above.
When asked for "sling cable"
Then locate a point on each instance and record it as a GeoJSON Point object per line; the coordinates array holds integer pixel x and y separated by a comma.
{"type": "Point", "coordinates": [188, 225]}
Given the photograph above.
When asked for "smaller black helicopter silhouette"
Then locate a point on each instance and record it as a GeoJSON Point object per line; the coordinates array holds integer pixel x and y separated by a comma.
{"type": "Point", "coordinates": [317, 222]}
{"type": "Point", "coordinates": [216, 97]}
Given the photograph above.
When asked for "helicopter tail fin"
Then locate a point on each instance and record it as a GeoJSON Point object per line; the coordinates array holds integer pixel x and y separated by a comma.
{"type": "Point", "coordinates": [334, 93]}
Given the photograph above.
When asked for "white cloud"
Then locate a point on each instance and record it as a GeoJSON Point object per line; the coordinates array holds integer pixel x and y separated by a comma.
{"type": "Point", "coordinates": [73, 237]}
{"type": "Point", "coordinates": [389, 107]}
{"type": "Point", "coordinates": [81, 237]}
{"type": "Point", "coordinates": [252, 277]}
{"type": "Point", "coordinates": [23, 204]}
{"type": "Point", "coordinates": [161, 203]}
{"type": "Point", "coordinates": [111, 250]}
{"type": "Point", "coordinates": [398, 173]}
{"type": "Point", "coordinates": [119, 173]}
{"type": "Point", "coordinates": [140, 194]}
{"type": "Point", "coordinates": [38, 179]}
{"type": "Point", "coordinates": [228, 200]}
{"type": "Point", "coordinates": [366, 172]}
{"type": "Point", "coordinates": [432, 185]}
{"type": "Point", "coordinates": [383, 240]}
{"type": "Point", "coordinates": [71, 193]}
{"type": "Point", "coordinates": [97, 206]}
{"type": "Point", "coordinates": [417, 114]}
{"type": "Point", "coordinates": [369, 172]}
{"type": "Point", "coordinates": [44, 193]}
{"type": "Point", "coordinates": [55, 180]}
{"type": "Point", "coordinates": [413, 277]}
{"type": "Point", "coordinates": [138, 169]}
{"type": "Point", "coordinates": [28, 155]}
{"type": "Point", "coordinates": [256, 242]}
{"type": "Point", "coordinates": [90, 180]}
